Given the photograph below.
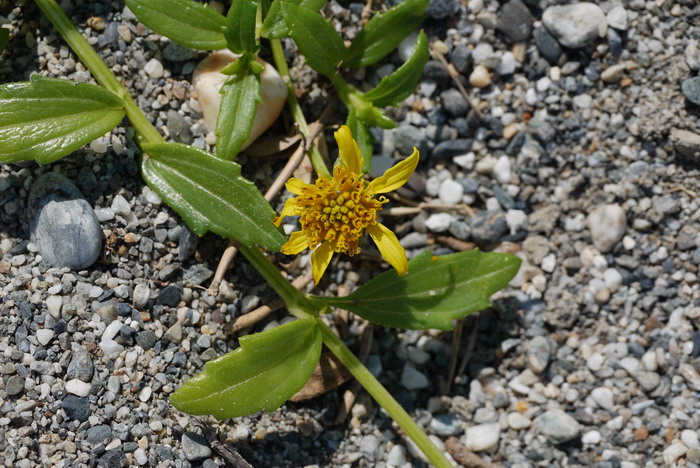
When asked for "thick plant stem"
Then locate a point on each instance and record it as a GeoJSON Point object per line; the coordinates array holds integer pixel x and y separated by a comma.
{"type": "Point", "coordinates": [382, 396]}
{"type": "Point", "coordinates": [99, 69]}
{"type": "Point", "coordinates": [297, 304]}
{"type": "Point", "coordinates": [294, 107]}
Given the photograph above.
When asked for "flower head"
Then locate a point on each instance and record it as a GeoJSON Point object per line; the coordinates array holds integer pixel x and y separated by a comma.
{"type": "Point", "coordinates": [335, 212]}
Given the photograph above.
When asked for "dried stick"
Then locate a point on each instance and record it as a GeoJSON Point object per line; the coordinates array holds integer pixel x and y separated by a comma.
{"type": "Point", "coordinates": [454, 74]}
{"type": "Point", "coordinates": [254, 316]}
{"type": "Point", "coordinates": [350, 395]}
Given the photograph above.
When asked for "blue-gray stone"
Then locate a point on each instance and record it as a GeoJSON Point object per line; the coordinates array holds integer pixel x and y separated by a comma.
{"type": "Point", "coordinates": [97, 434]}
{"type": "Point", "coordinates": [691, 90]}
{"type": "Point", "coordinates": [77, 408]}
{"type": "Point", "coordinates": [63, 225]}
{"type": "Point", "coordinates": [195, 447]}
{"type": "Point", "coordinates": [408, 136]}
{"type": "Point", "coordinates": [515, 21]}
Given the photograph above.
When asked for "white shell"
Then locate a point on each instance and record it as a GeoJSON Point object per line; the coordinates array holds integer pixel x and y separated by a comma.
{"type": "Point", "coordinates": [207, 81]}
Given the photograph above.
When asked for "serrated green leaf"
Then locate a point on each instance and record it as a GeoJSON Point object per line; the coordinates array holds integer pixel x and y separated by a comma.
{"type": "Point", "coordinates": [4, 37]}
{"type": "Point", "coordinates": [316, 38]}
{"type": "Point", "coordinates": [210, 194]}
{"type": "Point", "coordinates": [46, 119]}
{"type": "Point", "coordinates": [274, 26]}
{"type": "Point", "coordinates": [262, 374]}
{"type": "Point", "coordinates": [399, 85]}
{"type": "Point", "coordinates": [436, 290]}
{"type": "Point", "coordinates": [242, 94]}
{"type": "Point", "coordinates": [363, 137]}
{"type": "Point", "coordinates": [240, 26]}
{"type": "Point", "coordinates": [384, 32]}
{"type": "Point", "coordinates": [186, 22]}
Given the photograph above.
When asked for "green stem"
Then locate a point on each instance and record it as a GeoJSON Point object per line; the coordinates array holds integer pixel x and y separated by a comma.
{"type": "Point", "coordinates": [382, 396]}
{"type": "Point", "coordinates": [296, 303]}
{"type": "Point", "coordinates": [294, 107]}
{"type": "Point", "coordinates": [99, 69]}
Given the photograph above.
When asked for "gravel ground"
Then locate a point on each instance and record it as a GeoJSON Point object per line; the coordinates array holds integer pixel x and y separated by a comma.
{"type": "Point", "coordinates": [580, 155]}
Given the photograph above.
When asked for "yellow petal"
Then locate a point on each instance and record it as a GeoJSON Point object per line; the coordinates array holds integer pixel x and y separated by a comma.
{"type": "Point", "coordinates": [296, 243]}
{"type": "Point", "coordinates": [290, 209]}
{"type": "Point", "coordinates": [349, 151]}
{"type": "Point", "coordinates": [389, 247]}
{"type": "Point", "coordinates": [296, 186]}
{"type": "Point", "coordinates": [320, 258]}
{"type": "Point", "coordinates": [395, 176]}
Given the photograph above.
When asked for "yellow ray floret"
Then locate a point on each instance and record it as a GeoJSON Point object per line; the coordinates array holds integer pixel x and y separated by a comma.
{"type": "Point", "coordinates": [335, 212]}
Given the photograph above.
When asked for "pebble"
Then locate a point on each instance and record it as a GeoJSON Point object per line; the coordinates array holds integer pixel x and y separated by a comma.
{"type": "Point", "coordinates": [591, 437]}
{"type": "Point", "coordinates": [488, 227]}
{"type": "Point", "coordinates": [613, 73]}
{"type": "Point", "coordinates": [81, 365]}
{"type": "Point", "coordinates": [691, 376]}
{"type": "Point", "coordinates": [141, 296]}
{"type": "Point", "coordinates": [518, 421]}
{"type": "Point", "coordinates": [439, 9]}
{"type": "Point", "coordinates": [538, 352]}
{"type": "Point", "coordinates": [691, 89]}
{"type": "Point", "coordinates": [97, 434]}
{"type": "Point", "coordinates": [397, 456]}
{"type": "Point", "coordinates": [686, 142]}
{"type": "Point", "coordinates": [77, 408]}
{"type": "Point", "coordinates": [445, 425]}
{"type": "Point", "coordinates": [607, 224]}
{"type": "Point", "coordinates": [14, 385]}
{"type": "Point", "coordinates": [154, 69]}
{"type": "Point", "coordinates": [547, 45]}
{"type": "Point", "coordinates": [692, 55]}
{"type": "Point", "coordinates": [63, 225]}
{"type": "Point", "coordinates": [44, 336]}
{"type": "Point", "coordinates": [515, 21]}
{"type": "Point", "coordinates": [450, 192]}
{"type": "Point", "coordinates": [617, 18]}
{"type": "Point", "coordinates": [195, 447]}
{"type": "Point", "coordinates": [690, 438]}
{"type": "Point", "coordinates": [78, 388]}
{"type": "Point", "coordinates": [480, 77]}
{"type": "Point", "coordinates": [413, 379]}
{"type": "Point", "coordinates": [673, 452]}
{"type": "Point", "coordinates": [439, 222]}
{"type": "Point", "coordinates": [558, 426]}
{"type": "Point", "coordinates": [482, 437]}
{"type": "Point", "coordinates": [603, 396]}
{"type": "Point", "coordinates": [501, 170]}
{"type": "Point", "coordinates": [575, 25]}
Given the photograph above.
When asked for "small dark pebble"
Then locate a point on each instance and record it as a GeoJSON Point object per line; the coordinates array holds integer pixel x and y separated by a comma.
{"type": "Point", "coordinates": [77, 408]}
{"type": "Point", "coordinates": [146, 339]}
{"type": "Point", "coordinates": [170, 296]}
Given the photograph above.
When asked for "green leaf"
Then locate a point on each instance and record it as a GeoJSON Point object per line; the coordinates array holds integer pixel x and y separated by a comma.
{"type": "Point", "coordinates": [242, 94]}
{"type": "Point", "coordinates": [240, 26]}
{"type": "Point", "coordinates": [186, 22]}
{"type": "Point", "coordinates": [275, 26]}
{"type": "Point", "coordinates": [363, 137]}
{"type": "Point", "coordinates": [46, 119]}
{"type": "Point", "coordinates": [262, 374]}
{"type": "Point", "coordinates": [384, 32]}
{"type": "Point", "coordinates": [316, 38]}
{"type": "Point", "coordinates": [210, 194]}
{"type": "Point", "coordinates": [435, 291]}
{"type": "Point", "coordinates": [399, 85]}
{"type": "Point", "coordinates": [4, 37]}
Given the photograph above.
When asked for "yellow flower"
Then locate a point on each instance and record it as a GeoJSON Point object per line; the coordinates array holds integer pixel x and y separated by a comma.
{"type": "Point", "coordinates": [335, 212]}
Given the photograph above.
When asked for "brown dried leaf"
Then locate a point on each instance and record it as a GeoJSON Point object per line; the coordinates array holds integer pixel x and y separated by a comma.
{"type": "Point", "coordinates": [328, 375]}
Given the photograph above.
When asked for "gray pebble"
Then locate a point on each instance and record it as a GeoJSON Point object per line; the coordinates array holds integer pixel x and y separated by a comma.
{"type": "Point", "coordinates": [77, 408]}
{"type": "Point", "coordinates": [81, 366]}
{"type": "Point", "coordinates": [515, 21]}
{"type": "Point", "coordinates": [195, 447]}
{"type": "Point", "coordinates": [691, 89]}
{"type": "Point", "coordinates": [538, 353]}
{"type": "Point", "coordinates": [575, 25]}
{"type": "Point", "coordinates": [63, 225]}
{"type": "Point", "coordinates": [14, 385]}
{"type": "Point", "coordinates": [97, 434]}
{"type": "Point", "coordinates": [558, 426]}
{"type": "Point", "coordinates": [488, 227]}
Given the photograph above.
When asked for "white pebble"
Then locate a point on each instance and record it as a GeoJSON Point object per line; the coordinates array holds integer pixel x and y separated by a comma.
{"type": "Point", "coordinates": [607, 224]}
{"type": "Point", "coordinates": [480, 77]}
{"type": "Point", "coordinates": [78, 388]}
{"type": "Point", "coordinates": [450, 192]}
{"type": "Point", "coordinates": [516, 220]}
{"type": "Point", "coordinates": [673, 452]}
{"type": "Point", "coordinates": [518, 421]}
{"type": "Point", "coordinates": [120, 205]}
{"type": "Point", "coordinates": [595, 362]}
{"type": "Point", "coordinates": [482, 437]}
{"type": "Point", "coordinates": [501, 170]}
{"type": "Point", "coordinates": [154, 69]}
{"type": "Point", "coordinates": [583, 101]}
{"type": "Point", "coordinates": [603, 396]}
{"type": "Point", "coordinates": [690, 439]}
{"type": "Point", "coordinates": [110, 347]}
{"type": "Point", "coordinates": [531, 96]}
{"type": "Point", "coordinates": [44, 336]}
{"type": "Point", "coordinates": [507, 65]}
{"type": "Point", "coordinates": [54, 304]}
{"type": "Point", "coordinates": [549, 263]}
{"type": "Point", "coordinates": [591, 437]}
{"type": "Point", "coordinates": [104, 214]}
{"type": "Point", "coordinates": [140, 456]}
{"type": "Point", "coordinates": [465, 161]}
{"type": "Point", "coordinates": [111, 330]}
{"type": "Point", "coordinates": [145, 394]}
{"type": "Point", "coordinates": [612, 278]}
{"type": "Point", "coordinates": [439, 222]}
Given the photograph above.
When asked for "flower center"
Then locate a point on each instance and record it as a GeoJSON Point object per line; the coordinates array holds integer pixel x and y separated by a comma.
{"type": "Point", "coordinates": [338, 211]}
